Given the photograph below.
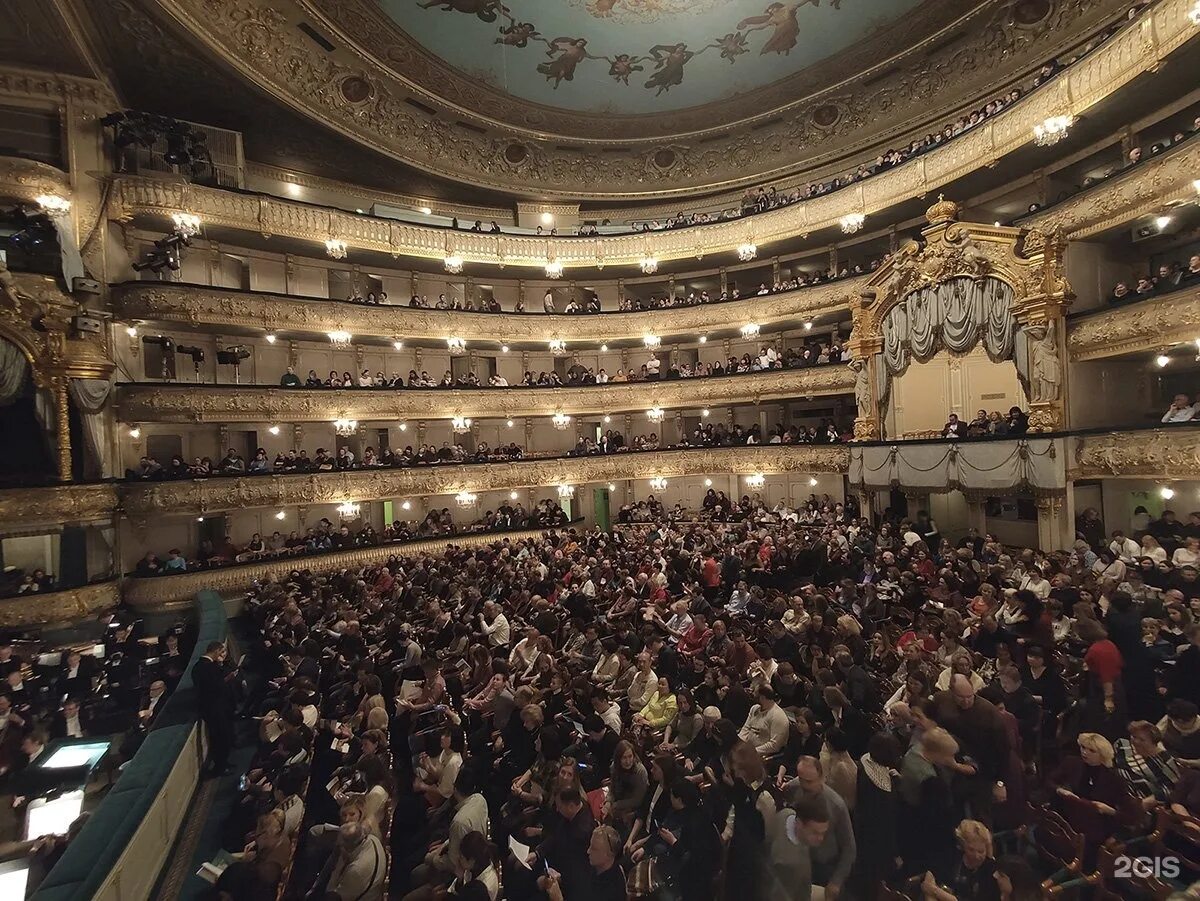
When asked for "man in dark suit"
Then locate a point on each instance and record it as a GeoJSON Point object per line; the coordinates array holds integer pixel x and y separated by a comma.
{"type": "Point", "coordinates": [75, 677]}
{"type": "Point", "coordinates": [70, 722]}
{"type": "Point", "coordinates": [214, 697]}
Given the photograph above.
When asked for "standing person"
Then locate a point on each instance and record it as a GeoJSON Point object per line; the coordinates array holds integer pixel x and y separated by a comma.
{"type": "Point", "coordinates": [214, 697]}
{"type": "Point", "coordinates": [792, 835]}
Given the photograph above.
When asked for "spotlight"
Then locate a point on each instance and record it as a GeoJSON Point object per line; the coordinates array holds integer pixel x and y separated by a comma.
{"type": "Point", "coordinates": [603, 348]}
{"type": "Point", "coordinates": [512, 495]}
{"type": "Point", "coordinates": [503, 348]}
{"type": "Point", "coordinates": [397, 345]}
{"type": "Point", "coordinates": [1161, 222]}
{"type": "Point", "coordinates": [274, 430]}
{"type": "Point", "coordinates": [407, 505]}
{"type": "Point", "coordinates": [271, 339]}
{"type": "Point", "coordinates": [281, 515]}
{"type": "Point", "coordinates": [1166, 492]}
{"type": "Point", "coordinates": [135, 433]}
{"type": "Point", "coordinates": [612, 486]}
{"type": "Point", "coordinates": [704, 339]}
{"type": "Point", "coordinates": [1162, 360]}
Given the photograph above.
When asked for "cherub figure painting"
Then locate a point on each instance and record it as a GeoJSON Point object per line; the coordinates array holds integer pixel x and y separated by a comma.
{"type": "Point", "coordinates": [624, 65]}
{"type": "Point", "coordinates": [669, 61]}
{"type": "Point", "coordinates": [486, 10]}
{"type": "Point", "coordinates": [731, 46]}
{"type": "Point", "coordinates": [517, 34]}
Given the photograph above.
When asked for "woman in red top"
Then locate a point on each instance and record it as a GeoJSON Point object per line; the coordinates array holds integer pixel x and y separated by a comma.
{"type": "Point", "coordinates": [1104, 710]}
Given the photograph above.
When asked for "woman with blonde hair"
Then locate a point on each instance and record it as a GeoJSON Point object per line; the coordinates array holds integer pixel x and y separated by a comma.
{"type": "Point", "coordinates": [926, 802]}
{"type": "Point", "coordinates": [1090, 793]}
{"type": "Point", "coordinates": [972, 876]}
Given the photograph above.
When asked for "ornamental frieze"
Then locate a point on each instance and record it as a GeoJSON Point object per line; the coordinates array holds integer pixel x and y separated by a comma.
{"type": "Point", "coordinates": [1165, 453]}
{"type": "Point", "coordinates": [350, 92]}
{"type": "Point", "coordinates": [198, 305]}
{"type": "Point", "coordinates": [25, 180]}
{"type": "Point", "coordinates": [179, 590]}
{"type": "Point", "coordinates": [204, 496]}
{"type": "Point", "coordinates": [1141, 190]}
{"type": "Point", "coordinates": [56, 505]}
{"type": "Point", "coordinates": [1140, 326]}
{"type": "Point", "coordinates": [67, 606]}
{"type": "Point", "coordinates": [230, 404]}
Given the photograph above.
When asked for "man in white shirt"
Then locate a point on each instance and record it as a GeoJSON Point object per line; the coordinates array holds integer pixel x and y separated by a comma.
{"type": "Point", "coordinates": [1181, 410]}
{"type": "Point", "coordinates": [1123, 547]}
{"type": "Point", "coordinates": [644, 684]}
{"type": "Point", "coordinates": [766, 725]}
{"type": "Point", "coordinates": [494, 625]}
{"type": "Point", "coordinates": [652, 367]}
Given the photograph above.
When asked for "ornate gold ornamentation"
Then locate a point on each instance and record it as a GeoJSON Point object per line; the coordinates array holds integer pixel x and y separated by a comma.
{"type": "Point", "coordinates": [56, 505]}
{"type": "Point", "coordinates": [205, 403]}
{"type": "Point", "coordinates": [1140, 191]}
{"type": "Point", "coordinates": [199, 305]}
{"type": "Point", "coordinates": [173, 591]}
{"type": "Point", "coordinates": [67, 606]}
{"type": "Point", "coordinates": [1142, 326]}
{"type": "Point", "coordinates": [1167, 453]}
{"type": "Point", "coordinates": [466, 142]}
{"type": "Point", "coordinates": [1029, 262]}
{"type": "Point", "coordinates": [25, 180]}
{"type": "Point", "coordinates": [214, 495]}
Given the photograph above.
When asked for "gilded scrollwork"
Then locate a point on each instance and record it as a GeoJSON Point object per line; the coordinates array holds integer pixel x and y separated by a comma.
{"type": "Point", "coordinates": [214, 495]}
{"type": "Point", "coordinates": [56, 505]}
{"type": "Point", "coordinates": [205, 403]}
{"type": "Point", "coordinates": [68, 606]}
{"type": "Point", "coordinates": [1144, 326]}
{"type": "Point", "coordinates": [176, 590]}
{"type": "Point", "coordinates": [1140, 191]}
{"type": "Point", "coordinates": [1168, 453]}
{"type": "Point", "coordinates": [25, 180]}
{"type": "Point", "coordinates": [199, 305]}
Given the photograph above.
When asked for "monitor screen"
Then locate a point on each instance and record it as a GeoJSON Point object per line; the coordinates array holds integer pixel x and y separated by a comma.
{"type": "Point", "coordinates": [45, 817]}
{"type": "Point", "coordinates": [14, 878]}
{"type": "Point", "coordinates": [75, 755]}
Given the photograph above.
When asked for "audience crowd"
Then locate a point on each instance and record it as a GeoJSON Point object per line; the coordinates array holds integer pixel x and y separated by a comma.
{"type": "Point", "coordinates": [1168, 277]}
{"type": "Point", "coordinates": [781, 702]}
{"type": "Point", "coordinates": [987, 425]}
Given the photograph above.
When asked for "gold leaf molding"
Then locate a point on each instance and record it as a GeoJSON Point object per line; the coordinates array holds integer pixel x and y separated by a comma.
{"type": "Point", "coordinates": [58, 606]}
{"type": "Point", "coordinates": [56, 505]}
{"type": "Point", "coordinates": [24, 180]}
{"type": "Point", "coordinates": [202, 403]}
{"type": "Point", "coordinates": [198, 305]}
{"type": "Point", "coordinates": [1141, 326]}
{"type": "Point", "coordinates": [1166, 453]}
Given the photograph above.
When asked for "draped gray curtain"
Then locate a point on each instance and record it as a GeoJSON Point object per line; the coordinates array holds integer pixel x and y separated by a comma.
{"type": "Point", "coordinates": [14, 371]}
{"type": "Point", "coordinates": [955, 314]}
{"type": "Point", "coordinates": [90, 397]}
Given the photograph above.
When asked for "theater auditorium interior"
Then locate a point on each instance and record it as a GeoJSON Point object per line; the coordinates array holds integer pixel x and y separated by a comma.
{"type": "Point", "coordinates": [681, 450]}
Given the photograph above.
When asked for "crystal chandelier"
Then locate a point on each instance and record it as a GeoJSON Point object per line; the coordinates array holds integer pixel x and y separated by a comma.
{"type": "Point", "coordinates": [558, 347]}
{"type": "Point", "coordinates": [340, 339]}
{"type": "Point", "coordinates": [554, 269]}
{"type": "Point", "coordinates": [1052, 130]}
{"type": "Point", "coordinates": [460, 424]}
{"type": "Point", "coordinates": [658, 483]}
{"type": "Point", "coordinates": [348, 510]}
{"type": "Point", "coordinates": [756, 481]}
{"type": "Point", "coordinates": [655, 414]}
{"type": "Point", "coordinates": [336, 248]}
{"type": "Point", "coordinates": [52, 204]}
{"type": "Point", "coordinates": [649, 265]}
{"type": "Point", "coordinates": [566, 491]}
{"type": "Point", "coordinates": [457, 346]}
{"type": "Point", "coordinates": [453, 264]}
{"type": "Point", "coordinates": [465, 499]}
{"type": "Point", "coordinates": [750, 330]}
{"type": "Point", "coordinates": [852, 222]}
{"type": "Point", "coordinates": [1194, 14]}
{"type": "Point", "coordinates": [344, 428]}
{"type": "Point", "coordinates": [187, 225]}
{"type": "Point", "coordinates": [653, 342]}
{"type": "Point", "coordinates": [561, 421]}
{"type": "Point", "coordinates": [746, 252]}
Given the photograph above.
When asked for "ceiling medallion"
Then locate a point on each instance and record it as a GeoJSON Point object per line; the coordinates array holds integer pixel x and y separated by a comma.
{"type": "Point", "coordinates": [453, 264]}
{"type": "Point", "coordinates": [852, 222]}
{"type": "Point", "coordinates": [1053, 130]}
{"type": "Point", "coordinates": [746, 252]}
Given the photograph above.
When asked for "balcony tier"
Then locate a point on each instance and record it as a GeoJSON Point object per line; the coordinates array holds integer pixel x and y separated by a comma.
{"type": "Point", "coordinates": [67, 606]}
{"type": "Point", "coordinates": [1169, 452]}
{"type": "Point", "coordinates": [198, 305]}
{"type": "Point", "coordinates": [204, 496]}
{"type": "Point", "coordinates": [1141, 326]}
{"type": "Point", "coordinates": [248, 403]}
